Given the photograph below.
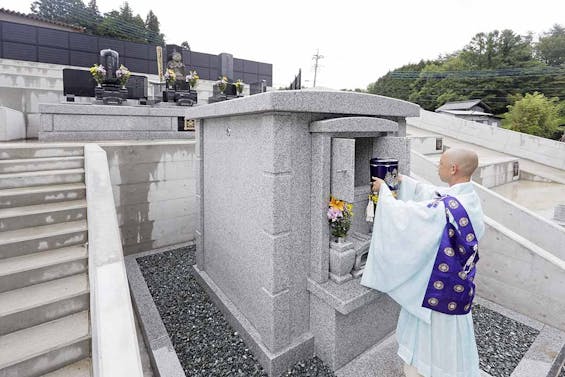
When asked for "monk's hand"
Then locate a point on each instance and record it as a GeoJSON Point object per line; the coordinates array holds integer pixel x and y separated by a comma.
{"type": "Point", "coordinates": [376, 185]}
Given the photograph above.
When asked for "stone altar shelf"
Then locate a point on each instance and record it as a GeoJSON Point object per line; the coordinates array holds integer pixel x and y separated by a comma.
{"type": "Point", "coordinates": [79, 122]}
{"type": "Point", "coordinates": [264, 257]}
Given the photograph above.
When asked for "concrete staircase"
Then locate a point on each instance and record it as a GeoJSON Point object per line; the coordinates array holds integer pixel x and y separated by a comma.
{"type": "Point", "coordinates": [44, 290]}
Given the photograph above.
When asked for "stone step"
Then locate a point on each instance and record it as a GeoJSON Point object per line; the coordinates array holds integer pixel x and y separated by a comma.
{"type": "Point", "coordinates": [14, 243]}
{"type": "Point", "coordinates": [42, 214]}
{"type": "Point", "coordinates": [39, 303]}
{"type": "Point", "coordinates": [41, 178]}
{"type": "Point", "coordinates": [26, 196]}
{"type": "Point", "coordinates": [19, 151]}
{"type": "Point", "coordinates": [82, 368]}
{"type": "Point", "coordinates": [45, 348]}
{"type": "Point", "coordinates": [41, 267]}
{"type": "Point", "coordinates": [37, 164]}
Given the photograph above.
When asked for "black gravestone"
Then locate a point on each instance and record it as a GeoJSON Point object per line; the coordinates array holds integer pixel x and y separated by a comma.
{"type": "Point", "coordinates": [81, 84]}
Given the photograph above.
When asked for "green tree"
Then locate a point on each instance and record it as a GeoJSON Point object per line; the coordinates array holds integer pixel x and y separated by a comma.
{"type": "Point", "coordinates": [534, 114]}
{"type": "Point", "coordinates": [154, 35]}
{"type": "Point", "coordinates": [68, 11]}
{"type": "Point", "coordinates": [92, 17]}
{"type": "Point", "coordinates": [397, 83]}
{"type": "Point", "coordinates": [551, 46]}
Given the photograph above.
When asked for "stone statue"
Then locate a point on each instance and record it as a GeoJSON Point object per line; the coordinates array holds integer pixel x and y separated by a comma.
{"type": "Point", "coordinates": [176, 64]}
{"type": "Point", "coordinates": [179, 92]}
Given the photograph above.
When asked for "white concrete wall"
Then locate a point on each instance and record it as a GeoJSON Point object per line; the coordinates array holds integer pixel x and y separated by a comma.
{"type": "Point", "coordinates": [425, 144]}
{"type": "Point", "coordinates": [115, 350]}
{"type": "Point", "coordinates": [496, 173]}
{"type": "Point", "coordinates": [544, 151]}
{"type": "Point", "coordinates": [521, 276]}
{"type": "Point", "coordinates": [154, 190]}
{"type": "Point", "coordinates": [12, 124]}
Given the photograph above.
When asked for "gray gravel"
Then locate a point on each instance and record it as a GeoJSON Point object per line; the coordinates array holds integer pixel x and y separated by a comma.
{"type": "Point", "coordinates": [205, 343]}
{"type": "Point", "coordinates": [207, 346]}
{"type": "Point", "coordinates": [501, 341]}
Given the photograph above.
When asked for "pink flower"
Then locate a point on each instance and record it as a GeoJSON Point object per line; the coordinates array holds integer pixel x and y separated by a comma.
{"type": "Point", "coordinates": [334, 214]}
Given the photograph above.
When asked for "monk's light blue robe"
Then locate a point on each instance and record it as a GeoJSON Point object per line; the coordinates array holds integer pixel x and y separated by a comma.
{"type": "Point", "coordinates": [404, 244]}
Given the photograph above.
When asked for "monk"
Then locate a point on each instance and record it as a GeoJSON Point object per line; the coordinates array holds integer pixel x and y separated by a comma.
{"type": "Point", "coordinates": [423, 254]}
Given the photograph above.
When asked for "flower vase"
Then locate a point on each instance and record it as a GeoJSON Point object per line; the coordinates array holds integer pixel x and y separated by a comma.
{"type": "Point", "coordinates": [342, 260]}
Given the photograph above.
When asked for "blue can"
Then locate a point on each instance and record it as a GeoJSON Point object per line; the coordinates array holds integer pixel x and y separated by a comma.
{"type": "Point", "coordinates": [387, 170]}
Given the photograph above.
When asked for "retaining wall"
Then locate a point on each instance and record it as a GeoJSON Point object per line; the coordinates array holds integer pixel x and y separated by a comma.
{"type": "Point", "coordinates": [538, 149]}
{"type": "Point", "coordinates": [154, 190]}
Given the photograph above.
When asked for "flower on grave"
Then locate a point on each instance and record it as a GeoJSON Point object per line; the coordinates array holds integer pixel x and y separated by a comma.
{"type": "Point", "coordinates": [170, 76]}
{"type": "Point", "coordinates": [339, 216]}
{"type": "Point", "coordinates": [192, 78]}
{"type": "Point", "coordinates": [98, 73]}
{"type": "Point", "coordinates": [123, 74]}
{"type": "Point", "coordinates": [239, 86]}
{"type": "Point", "coordinates": [222, 83]}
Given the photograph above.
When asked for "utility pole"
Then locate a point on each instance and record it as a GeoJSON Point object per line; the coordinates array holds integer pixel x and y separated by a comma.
{"type": "Point", "coordinates": [316, 58]}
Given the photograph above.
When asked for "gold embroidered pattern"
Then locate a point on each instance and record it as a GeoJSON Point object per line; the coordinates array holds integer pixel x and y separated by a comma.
{"type": "Point", "coordinates": [470, 237]}
{"type": "Point", "coordinates": [451, 232]}
{"type": "Point", "coordinates": [433, 301]}
{"type": "Point", "coordinates": [458, 288]}
{"type": "Point", "coordinates": [453, 204]}
{"type": "Point", "coordinates": [438, 284]}
{"type": "Point", "coordinates": [443, 267]}
{"type": "Point", "coordinates": [463, 275]}
{"type": "Point", "coordinates": [463, 221]}
{"type": "Point", "coordinates": [452, 306]}
{"type": "Point", "coordinates": [449, 251]}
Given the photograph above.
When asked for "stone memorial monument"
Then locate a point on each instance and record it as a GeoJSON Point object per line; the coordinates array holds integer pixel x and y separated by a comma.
{"type": "Point", "coordinates": [110, 90]}
{"type": "Point", "coordinates": [265, 257]}
{"type": "Point", "coordinates": [180, 91]}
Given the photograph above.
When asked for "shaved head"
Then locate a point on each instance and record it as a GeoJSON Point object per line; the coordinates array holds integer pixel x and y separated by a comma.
{"type": "Point", "coordinates": [465, 159]}
{"type": "Point", "coordinates": [457, 165]}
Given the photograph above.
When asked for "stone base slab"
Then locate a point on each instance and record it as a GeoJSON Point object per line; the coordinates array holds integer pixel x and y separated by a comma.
{"type": "Point", "coordinates": [348, 319]}
{"type": "Point", "coordinates": [77, 122]}
{"type": "Point", "coordinates": [273, 363]}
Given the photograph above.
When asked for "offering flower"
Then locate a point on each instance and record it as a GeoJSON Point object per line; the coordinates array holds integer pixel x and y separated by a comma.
{"type": "Point", "coordinates": [170, 76]}
{"type": "Point", "coordinates": [192, 78]}
{"type": "Point", "coordinates": [222, 83]}
{"type": "Point", "coordinates": [98, 72]}
{"type": "Point", "coordinates": [239, 86]}
{"type": "Point", "coordinates": [123, 74]}
{"type": "Point", "coordinates": [339, 216]}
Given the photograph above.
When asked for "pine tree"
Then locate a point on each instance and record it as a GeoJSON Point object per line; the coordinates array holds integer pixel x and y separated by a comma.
{"type": "Point", "coordinates": [154, 35]}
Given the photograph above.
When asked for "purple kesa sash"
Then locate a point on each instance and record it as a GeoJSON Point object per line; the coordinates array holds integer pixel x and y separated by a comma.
{"type": "Point", "coordinates": [451, 289]}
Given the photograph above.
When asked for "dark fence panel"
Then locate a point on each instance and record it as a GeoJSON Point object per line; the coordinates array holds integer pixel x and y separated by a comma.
{"type": "Point", "coordinates": [39, 44]}
{"type": "Point", "coordinates": [53, 38]}
{"type": "Point", "coordinates": [53, 55]}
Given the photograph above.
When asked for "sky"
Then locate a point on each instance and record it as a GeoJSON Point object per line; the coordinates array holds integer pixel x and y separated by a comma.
{"type": "Point", "coordinates": [360, 41]}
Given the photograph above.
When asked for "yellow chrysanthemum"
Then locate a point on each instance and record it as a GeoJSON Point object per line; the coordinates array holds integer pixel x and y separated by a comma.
{"type": "Point", "coordinates": [336, 204]}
